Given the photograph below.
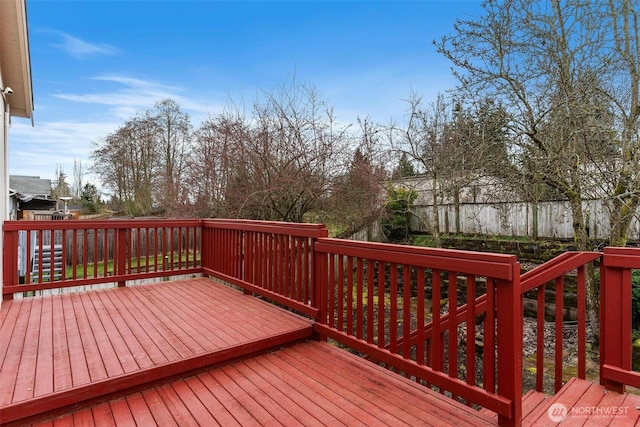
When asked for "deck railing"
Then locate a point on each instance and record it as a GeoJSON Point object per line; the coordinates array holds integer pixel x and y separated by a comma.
{"type": "Point", "coordinates": [420, 312]}
{"type": "Point", "coordinates": [271, 259]}
{"type": "Point", "coordinates": [43, 255]}
{"type": "Point", "coordinates": [445, 318]}
{"type": "Point", "coordinates": [547, 283]}
{"type": "Point", "coordinates": [616, 318]}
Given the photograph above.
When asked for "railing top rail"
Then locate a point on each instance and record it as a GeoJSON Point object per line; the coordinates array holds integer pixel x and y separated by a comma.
{"type": "Point", "coordinates": [99, 224]}
{"type": "Point", "coordinates": [497, 266]}
{"type": "Point", "coordinates": [291, 228]}
{"type": "Point", "coordinates": [558, 266]}
{"type": "Point", "coordinates": [622, 257]}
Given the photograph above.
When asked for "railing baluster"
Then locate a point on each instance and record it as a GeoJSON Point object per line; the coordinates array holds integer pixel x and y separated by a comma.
{"type": "Point", "coordinates": [381, 303]}
{"type": "Point", "coordinates": [332, 291]}
{"type": "Point", "coordinates": [436, 337]}
{"type": "Point", "coordinates": [341, 293]}
{"type": "Point", "coordinates": [420, 348]}
{"type": "Point", "coordinates": [540, 329]}
{"type": "Point", "coordinates": [582, 322]}
{"type": "Point", "coordinates": [406, 311]}
{"type": "Point", "coordinates": [359, 297]}
{"type": "Point", "coordinates": [559, 290]}
{"type": "Point", "coordinates": [370, 299]}
{"type": "Point", "coordinates": [393, 315]}
{"type": "Point", "coordinates": [349, 291]}
{"type": "Point", "coordinates": [452, 295]}
{"type": "Point", "coordinates": [471, 330]}
{"type": "Point", "coordinates": [489, 356]}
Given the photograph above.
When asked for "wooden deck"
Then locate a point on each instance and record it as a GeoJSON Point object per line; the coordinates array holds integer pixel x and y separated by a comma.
{"type": "Point", "coordinates": [310, 384]}
{"type": "Point", "coordinates": [195, 352]}
{"type": "Point", "coordinates": [55, 351]}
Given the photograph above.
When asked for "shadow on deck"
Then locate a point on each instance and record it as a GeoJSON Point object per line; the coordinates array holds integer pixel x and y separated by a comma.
{"type": "Point", "coordinates": [195, 352]}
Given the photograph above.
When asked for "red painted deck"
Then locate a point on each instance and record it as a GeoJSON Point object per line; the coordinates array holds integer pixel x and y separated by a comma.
{"type": "Point", "coordinates": [580, 403]}
{"type": "Point", "coordinates": [195, 352]}
{"type": "Point", "coordinates": [583, 403]}
{"type": "Point", "coordinates": [308, 384]}
{"type": "Point", "coordinates": [64, 348]}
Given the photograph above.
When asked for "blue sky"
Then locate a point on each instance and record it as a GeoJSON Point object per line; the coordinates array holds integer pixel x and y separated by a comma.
{"type": "Point", "coordinates": [95, 64]}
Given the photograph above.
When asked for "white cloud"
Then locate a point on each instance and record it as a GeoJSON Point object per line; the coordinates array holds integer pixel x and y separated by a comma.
{"type": "Point", "coordinates": [80, 48]}
{"type": "Point", "coordinates": [39, 150]}
{"type": "Point", "coordinates": [131, 95]}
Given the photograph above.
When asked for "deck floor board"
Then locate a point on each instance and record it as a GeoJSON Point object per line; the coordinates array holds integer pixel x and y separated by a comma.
{"type": "Point", "coordinates": [79, 342]}
{"type": "Point", "coordinates": [583, 403]}
{"type": "Point", "coordinates": [106, 353]}
{"type": "Point", "coordinates": [250, 393]}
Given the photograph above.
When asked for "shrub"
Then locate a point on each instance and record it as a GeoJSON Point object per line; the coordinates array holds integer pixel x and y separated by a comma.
{"type": "Point", "coordinates": [396, 224]}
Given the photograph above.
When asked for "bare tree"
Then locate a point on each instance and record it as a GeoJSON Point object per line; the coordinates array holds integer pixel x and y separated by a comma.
{"type": "Point", "coordinates": [125, 162]}
{"type": "Point", "coordinates": [558, 71]}
{"type": "Point", "coordinates": [285, 166]}
{"type": "Point", "coordinates": [78, 176]}
{"type": "Point", "coordinates": [423, 140]}
{"type": "Point", "coordinates": [357, 196]}
{"type": "Point", "coordinates": [60, 186]}
{"type": "Point", "coordinates": [172, 135]}
{"type": "Point", "coordinates": [538, 58]}
{"type": "Point", "coordinates": [454, 144]}
{"type": "Point", "coordinates": [623, 89]}
{"type": "Point", "coordinates": [213, 162]}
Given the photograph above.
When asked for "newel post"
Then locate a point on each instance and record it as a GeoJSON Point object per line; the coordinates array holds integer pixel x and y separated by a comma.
{"type": "Point", "coordinates": [9, 261]}
{"type": "Point", "coordinates": [615, 313]}
{"type": "Point", "coordinates": [509, 331]}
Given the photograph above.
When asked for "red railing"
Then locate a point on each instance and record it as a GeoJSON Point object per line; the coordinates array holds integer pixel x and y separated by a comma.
{"type": "Point", "coordinates": [42, 255]}
{"type": "Point", "coordinates": [420, 311]}
{"type": "Point", "coordinates": [550, 276]}
{"type": "Point", "coordinates": [271, 259]}
{"type": "Point", "coordinates": [615, 318]}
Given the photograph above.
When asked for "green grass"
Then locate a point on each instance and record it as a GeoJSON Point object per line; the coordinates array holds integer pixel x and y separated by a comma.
{"type": "Point", "coordinates": [98, 269]}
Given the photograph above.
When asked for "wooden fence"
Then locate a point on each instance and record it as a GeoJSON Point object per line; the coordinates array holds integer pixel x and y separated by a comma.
{"type": "Point", "coordinates": [544, 219]}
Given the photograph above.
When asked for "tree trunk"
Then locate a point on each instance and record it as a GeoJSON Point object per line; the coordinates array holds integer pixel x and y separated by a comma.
{"type": "Point", "coordinates": [582, 242]}
{"type": "Point", "coordinates": [622, 213]}
{"type": "Point", "coordinates": [435, 222]}
{"type": "Point", "coordinates": [456, 202]}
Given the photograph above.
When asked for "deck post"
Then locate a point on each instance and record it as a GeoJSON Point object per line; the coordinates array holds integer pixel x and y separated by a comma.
{"type": "Point", "coordinates": [509, 331]}
{"type": "Point", "coordinates": [615, 313]}
{"type": "Point", "coordinates": [9, 262]}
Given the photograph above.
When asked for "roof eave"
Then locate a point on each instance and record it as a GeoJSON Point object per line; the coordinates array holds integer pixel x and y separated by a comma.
{"type": "Point", "coordinates": [15, 57]}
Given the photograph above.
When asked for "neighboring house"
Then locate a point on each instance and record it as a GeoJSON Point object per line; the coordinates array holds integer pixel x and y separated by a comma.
{"type": "Point", "coordinates": [15, 88]}
{"type": "Point", "coordinates": [29, 194]}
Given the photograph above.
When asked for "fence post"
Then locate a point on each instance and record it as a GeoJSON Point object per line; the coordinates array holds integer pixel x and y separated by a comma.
{"type": "Point", "coordinates": [615, 312]}
{"type": "Point", "coordinates": [509, 331]}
